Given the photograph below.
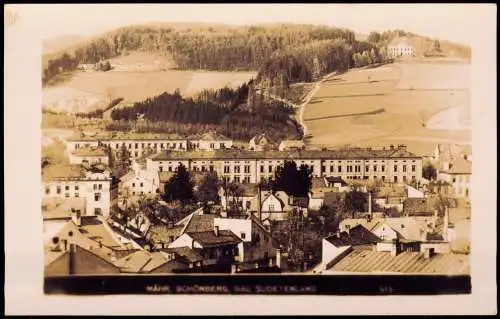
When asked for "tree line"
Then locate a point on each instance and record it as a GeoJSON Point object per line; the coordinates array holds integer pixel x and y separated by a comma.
{"type": "Point", "coordinates": [228, 111]}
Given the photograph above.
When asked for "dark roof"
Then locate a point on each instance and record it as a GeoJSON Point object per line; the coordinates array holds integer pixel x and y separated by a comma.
{"type": "Point", "coordinates": [318, 182]}
{"type": "Point", "coordinates": [336, 179]}
{"type": "Point", "coordinates": [162, 233]}
{"type": "Point", "coordinates": [185, 253]}
{"type": "Point", "coordinates": [209, 239]}
{"type": "Point", "coordinates": [200, 223]}
{"type": "Point", "coordinates": [355, 153]}
{"type": "Point", "coordinates": [358, 235]}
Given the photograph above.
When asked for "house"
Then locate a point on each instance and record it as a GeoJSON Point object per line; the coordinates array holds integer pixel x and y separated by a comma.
{"type": "Point", "coordinates": [339, 244]}
{"type": "Point", "coordinates": [91, 182]}
{"type": "Point", "coordinates": [219, 248]}
{"type": "Point", "coordinates": [242, 198]}
{"type": "Point", "coordinates": [259, 142]}
{"type": "Point", "coordinates": [317, 197]}
{"type": "Point", "coordinates": [402, 228]}
{"type": "Point", "coordinates": [162, 235]}
{"type": "Point", "coordinates": [86, 245]}
{"type": "Point", "coordinates": [398, 258]}
{"type": "Point", "coordinates": [209, 141]}
{"type": "Point", "coordinates": [449, 152]}
{"type": "Point", "coordinates": [337, 183]}
{"type": "Point", "coordinates": [291, 145]}
{"type": "Point", "coordinates": [139, 181]}
{"type": "Point", "coordinates": [400, 47]}
{"type": "Point", "coordinates": [89, 155]}
{"type": "Point", "coordinates": [391, 196]}
{"type": "Point", "coordinates": [275, 206]}
{"type": "Point", "coordinates": [458, 174]}
{"type": "Point", "coordinates": [56, 212]}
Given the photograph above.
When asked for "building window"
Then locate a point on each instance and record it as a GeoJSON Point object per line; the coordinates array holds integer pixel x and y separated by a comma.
{"type": "Point", "coordinates": [142, 184]}
{"type": "Point", "coordinates": [331, 168]}
{"type": "Point", "coordinates": [454, 179]}
{"type": "Point", "coordinates": [395, 168]}
{"type": "Point", "coordinates": [58, 190]}
{"type": "Point", "coordinates": [236, 169]}
{"type": "Point", "coordinates": [340, 169]}
{"type": "Point", "coordinates": [77, 195]}
{"type": "Point", "coordinates": [383, 178]}
{"type": "Point", "coordinates": [367, 168]}
{"type": "Point", "coordinates": [47, 190]}
{"type": "Point", "coordinates": [174, 145]}
{"type": "Point", "coordinates": [161, 168]}
{"type": "Point", "coordinates": [97, 211]}
{"type": "Point", "coordinates": [374, 168]}
{"type": "Point", "coordinates": [271, 207]}
{"type": "Point", "coordinates": [236, 179]}
{"type": "Point", "coordinates": [170, 168]}
{"type": "Point", "coordinates": [100, 186]}
{"type": "Point", "coordinates": [383, 168]}
{"type": "Point", "coordinates": [413, 178]}
{"type": "Point", "coordinates": [97, 197]}
{"type": "Point", "coordinates": [66, 187]}
{"type": "Point", "coordinates": [226, 169]}
{"type": "Point", "coordinates": [404, 168]}
{"type": "Point", "coordinates": [270, 168]}
{"type": "Point", "coordinates": [247, 169]}
{"type": "Point", "coordinates": [133, 184]}
{"type": "Point", "coordinates": [404, 178]}
{"type": "Point", "coordinates": [246, 179]}
{"type": "Point", "coordinates": [161, 145]}
{"type": "Point", "coordinates": [262, 168]}
{"type": "Point", "coordinates": [395, 179]}
{"type": "Point", "coordinates": [243, 235]}
{"type": "Point", "coordinates": [66, 195]}
{"type": "Point", "coordinates": [413, 168]}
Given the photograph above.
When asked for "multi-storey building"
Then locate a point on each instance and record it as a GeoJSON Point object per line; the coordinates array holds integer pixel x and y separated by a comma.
{"type": "Point", "coordinates": [77, 181]}
{"type": "Point", "coordinates": [89, 155]}
{"type": "Point", "coordinates": [394, 164]}
{"type": "Point", "coordinates": [139, 144]}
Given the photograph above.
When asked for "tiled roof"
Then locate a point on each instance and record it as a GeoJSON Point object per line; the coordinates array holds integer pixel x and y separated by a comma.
{"type": "Point", "coordinates": [60, 208]}
{"type": "Point", "coordinates": [406, 262]}
{"type": "Point", "coordinates": [63, 171]}
{"type": "Point", "coordinates": [89, 151]}
{"type": "Point", "coordinates": [354, 153]}
{"type": "Point", "coordinates": [201, 223]}
{"type": "Point", "coordinates": [186, 253]}
{"type": "Point", "coordinates": [317, 182]}
{"type": "Point", "coordinates": [209, 239]}
{"type": "Point", "coordinates": [134, 262]}
{"type": "Point", "coordinates": [358, 235]}
{"type": "Point", "coordinates": [156, 260]}
{"type": "Point", "coordinates": [257, 139]}
{"type": "Point", "coordinates": [162, 233]}
{"type": "Point", "coordinates": [210, 136]}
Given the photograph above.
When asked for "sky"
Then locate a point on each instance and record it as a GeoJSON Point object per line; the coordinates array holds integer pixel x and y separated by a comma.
{"type": "Point", "coordinates": [444, 21]}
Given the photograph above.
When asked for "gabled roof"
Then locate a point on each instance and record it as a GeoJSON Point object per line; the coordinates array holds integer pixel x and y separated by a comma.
{"type": "Point", "coordinates": [134, 262]}
{"type": "Point", "coordinates": [335, 180]}
{"type": "Point", "coordinates": [63, 171]}
{"type": "Point", "coordinates": [259, 138]}
{"type": "Point", "coordinates": [358, 235]}
{"type": "Point", "coordinates": [200, 223]}
{"type": "Point", "coordinates": [209, 239]}
{"type": "Point", "coordinates": [366, 261]}
{"type": "Point", "coordinates": [162, 233]}
{"type": "Point", "coordinates": [318, 182]}
{"type": "Point", "coordinates": [185, 253]}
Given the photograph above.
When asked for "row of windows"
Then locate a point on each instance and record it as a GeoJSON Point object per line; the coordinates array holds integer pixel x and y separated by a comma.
{"type": "Point", "coordinates": [357, 168]}
{"type": "Point", "coordinates": [148, 145]}
{"type": "Point", "coordinates": [383, 178]}
{"type": "Point", "coordinates": [67, 188]}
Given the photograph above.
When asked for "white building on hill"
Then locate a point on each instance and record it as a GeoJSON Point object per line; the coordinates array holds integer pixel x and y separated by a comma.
{"type": "Point", "coordinates": [400, 47]}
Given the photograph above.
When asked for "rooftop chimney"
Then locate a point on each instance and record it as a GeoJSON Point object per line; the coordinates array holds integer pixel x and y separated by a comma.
{"type": "Point", "coordinates": [395, 248]}
{"type": "Point", "coordinates": [76, 217]}
{"type": "Point", "coordinates": [370, 213]}
{"type": "Point", "coordinates": [428, 253]}
{"type": "Point", "coordinates": [216, 230]}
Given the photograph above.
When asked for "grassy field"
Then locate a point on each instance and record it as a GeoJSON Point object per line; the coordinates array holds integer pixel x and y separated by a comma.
{"type": "Point", "coordinates": [406, 103]}
{"type": "Point", "coordinates": [87, 91]}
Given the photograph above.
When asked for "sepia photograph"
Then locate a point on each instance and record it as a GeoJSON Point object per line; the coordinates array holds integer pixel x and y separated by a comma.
{"type": "Point", "coordinates": [209, 149]}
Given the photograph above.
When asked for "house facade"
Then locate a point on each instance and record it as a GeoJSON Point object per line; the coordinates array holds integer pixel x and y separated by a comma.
{"type": "Point", "coordinates": [89, 156]}
{"type": "Point", "coordinates": [393, 164]}
{"type": "Point", "coordinates": [399, 47]}
{"type": "Point", "coordinates": [76, 181]}
{"type": "Point", "coordinates": [459, 175]}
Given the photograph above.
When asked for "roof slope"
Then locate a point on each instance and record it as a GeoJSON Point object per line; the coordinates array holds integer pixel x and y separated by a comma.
{"type": "Point", "coordinates": [209, 239]}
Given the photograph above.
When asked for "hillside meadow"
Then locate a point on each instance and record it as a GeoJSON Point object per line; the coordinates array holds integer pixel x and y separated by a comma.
{"type": "Point", "coordinates": [418, 104]}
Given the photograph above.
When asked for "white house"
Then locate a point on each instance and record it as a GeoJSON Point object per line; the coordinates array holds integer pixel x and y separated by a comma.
{"type": "Point", "coordinates": [399, 47]}
{"type": "Point", "coordinates": [276, 206]}
{"type": "Point", "coordinates": [291, 145]}
{"type": "Point", "coordinates": [92, 183]}
{"type": "Point", "coordinates": [57, 211]}
{"type": "Point", "coordinates": [259, 142]}
{"type": "Point", "coordinates": [140, 181]}
{"type": "Point", "coordinates": [459, 175]}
